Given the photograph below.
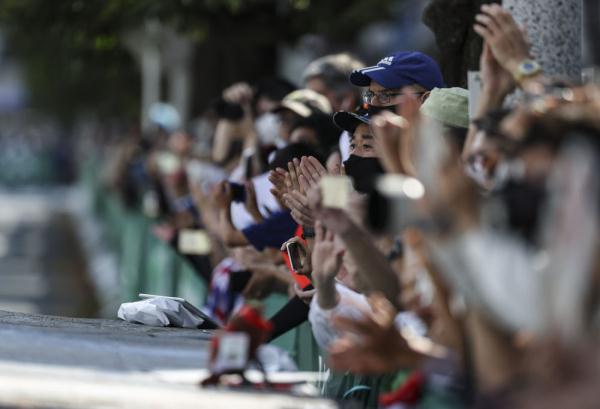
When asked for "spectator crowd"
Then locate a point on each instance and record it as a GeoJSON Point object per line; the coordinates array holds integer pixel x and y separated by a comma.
{"type": "Point", "coordinates": [442, 260]}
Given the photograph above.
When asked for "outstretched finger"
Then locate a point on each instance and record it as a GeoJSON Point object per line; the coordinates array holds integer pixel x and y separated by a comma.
{"type": "Point", "coordinates": [300, 217]}
{"type": "Point", "coordinates": [317, 166]}
{"type": "Point", "coordinates": [304, 184]}
{"type": "Point", "coordinates": [488, 22]}
{"type": "Point", "coordinates": [313, 168]}
{"type": "Point", "coordinates": [307, 172]}
{"type": "Point", "coordinates": [280, 172]}
{"type": "Point", "coordinates": [318, 232]}
{"type": "Point", "coordinates": [502, 16]}
{"type": "Point", "coordinates": [300, 198]}
{"type": "Point", "coordinates": [298, 170]}
{"type": "Point", "coordinates": [293, 176]}
{"type": "Point", "coordinates": [276, 177]}
{"type": "Point", "coordinates": [329, 235]}
{"type": "Point", "coordinates": [294, 204]}
{"type": "Point", "coordinates": [483, 32]}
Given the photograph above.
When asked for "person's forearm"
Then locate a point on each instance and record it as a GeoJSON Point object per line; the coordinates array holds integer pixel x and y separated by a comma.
{"type": "Point", "coordinates": [220, 149]}
{"type": "Point", "coordinates": [488, 102]}
{"type": "Point", "coordinates": [372, 264]}
{"type": "Point", "coordinates": [280, 274]}
{"type": "Point", "coordinates": [229, 234]}
{"type": "Point", "coordinates": [251, 142]}
{"type": "Point", "coordinates": [210, 220]}
{"type": "Point", "coordinates": [495, 358]}
{"type": "Point", "coordinates": [327, 295]}
{"type": "Point", "coordinates": [256, 215]}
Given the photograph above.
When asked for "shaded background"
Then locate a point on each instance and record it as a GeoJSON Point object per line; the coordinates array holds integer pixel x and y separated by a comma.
{"type": "Point", "coordinates": [75, 74]}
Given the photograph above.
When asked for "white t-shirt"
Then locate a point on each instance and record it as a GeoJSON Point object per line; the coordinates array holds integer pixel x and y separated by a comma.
{"type": "Point", "coordinates": [351, 304]}
{"type": "Point", "coordinates": [266, 203]}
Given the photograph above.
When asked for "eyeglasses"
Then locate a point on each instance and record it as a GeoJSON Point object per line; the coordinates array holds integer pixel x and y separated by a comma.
{"type": "Point", "coordinates": [386, 96]}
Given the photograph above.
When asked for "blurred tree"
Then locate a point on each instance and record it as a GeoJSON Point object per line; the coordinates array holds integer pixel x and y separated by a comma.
{"type": "Point", "coordinates": [75, 59]}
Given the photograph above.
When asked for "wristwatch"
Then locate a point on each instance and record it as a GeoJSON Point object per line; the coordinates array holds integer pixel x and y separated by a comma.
{"type": "Point", "coordinates": [526, 69]}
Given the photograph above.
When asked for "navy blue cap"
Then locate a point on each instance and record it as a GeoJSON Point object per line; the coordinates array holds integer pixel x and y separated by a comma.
{"type": "Point", "coordinates": [348, 121]}
{"type": "Point", "coordinates": [401, 69]}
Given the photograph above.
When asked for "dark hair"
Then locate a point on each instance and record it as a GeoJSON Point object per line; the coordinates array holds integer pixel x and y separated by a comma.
{"type": "Point", "coordinates": [328, 135]}
{"type": "Point", "coordinates": [294, 150]}
{"type": "Point", "coordinates": [554, 132]}
{"type": "Point", "coordinates": [273, 88]}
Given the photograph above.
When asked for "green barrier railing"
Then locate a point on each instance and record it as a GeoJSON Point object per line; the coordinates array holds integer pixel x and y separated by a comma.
{"type": "Point", "coordinates": [149, 265]}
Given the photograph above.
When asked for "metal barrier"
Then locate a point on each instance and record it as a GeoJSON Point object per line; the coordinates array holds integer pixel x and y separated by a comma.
{"type": "Point", "coordinates": [149, 265]}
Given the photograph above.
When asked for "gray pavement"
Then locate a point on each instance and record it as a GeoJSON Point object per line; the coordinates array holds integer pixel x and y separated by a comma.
{"type": "Point", "coordinates": [97, 343]}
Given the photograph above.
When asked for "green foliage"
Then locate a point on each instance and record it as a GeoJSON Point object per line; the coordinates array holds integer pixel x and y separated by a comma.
{"type": "Point", "coordinates": [339, 20]}
{"type": "Point", "coordinates": [75, 59]}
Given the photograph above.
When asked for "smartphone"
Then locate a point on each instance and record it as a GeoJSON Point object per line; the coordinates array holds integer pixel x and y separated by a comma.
{"type": "Point", "coordinates": [238, 192]}
{"type": "Point", "coordinates": [293, 251]}
{"type": "Point", "coordinates": [292, 258]}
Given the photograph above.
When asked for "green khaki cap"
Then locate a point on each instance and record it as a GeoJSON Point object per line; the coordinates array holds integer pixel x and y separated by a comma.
{"type": "Point", "coordinates": [450, 106]}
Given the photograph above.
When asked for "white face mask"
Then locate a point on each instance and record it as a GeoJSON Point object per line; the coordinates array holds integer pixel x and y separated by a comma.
{"type": "Point", "coordinates": [267, 127]}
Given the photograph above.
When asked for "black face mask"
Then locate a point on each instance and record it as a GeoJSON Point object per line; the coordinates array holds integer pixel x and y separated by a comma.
{"type": "Point", "coordinates": [373, 110]}
{"type": "Point", "coordinates": [363, 172]}
{"type": "Point", "coordinates": [523, 202]}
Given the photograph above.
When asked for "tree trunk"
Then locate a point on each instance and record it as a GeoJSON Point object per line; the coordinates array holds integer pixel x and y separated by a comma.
{"type": "Point", "coordinates": [460, 47]}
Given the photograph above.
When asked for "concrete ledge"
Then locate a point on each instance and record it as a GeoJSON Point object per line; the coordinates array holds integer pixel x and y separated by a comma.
{"type": "Point", "coordinates": [99, 343]}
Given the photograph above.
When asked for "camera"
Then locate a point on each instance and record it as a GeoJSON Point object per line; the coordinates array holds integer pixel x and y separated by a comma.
{"type": "Point", "coordinates": [228, 110]}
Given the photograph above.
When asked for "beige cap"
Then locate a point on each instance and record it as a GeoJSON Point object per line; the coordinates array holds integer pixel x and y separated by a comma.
{"type": "Point", "coordinates": [304, 101]}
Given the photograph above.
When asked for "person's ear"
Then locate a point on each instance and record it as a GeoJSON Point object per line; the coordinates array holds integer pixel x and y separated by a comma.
{"type": "Point", "coordinates": [424, 96]}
